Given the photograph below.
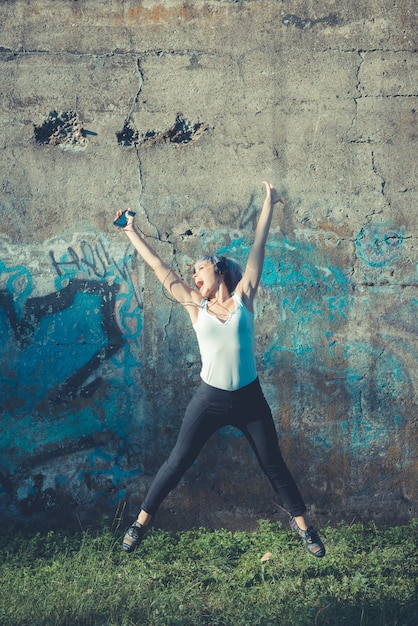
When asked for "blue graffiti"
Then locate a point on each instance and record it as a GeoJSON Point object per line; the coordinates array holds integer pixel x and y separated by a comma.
{"type": "Point", "coordinates": [63, 350]}
{"type": "Point", "coordinates": [56, 343]}
{"type": "Point", "coordinates": [379, 245]}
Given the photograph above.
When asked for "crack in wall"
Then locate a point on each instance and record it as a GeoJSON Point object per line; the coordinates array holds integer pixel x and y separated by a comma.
{"type": "Point", "coordinates": [183, 131]}
{"type": "Point", "coordinates": [141, 84]}
{"type": "Point", "coordinates": [131, 122]}
{"type": "Point", "coordinates": [367, 140]}
{"type": "Point", "coordinates": [356, 98]}
{"type": "Point", "coordinates": [362, 55]}
{"type": "Point", "coordinates": [377, 173]}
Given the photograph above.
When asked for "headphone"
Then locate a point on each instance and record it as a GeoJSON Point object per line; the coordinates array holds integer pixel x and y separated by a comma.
{"type": "Point", "coordinates": [221, 266]}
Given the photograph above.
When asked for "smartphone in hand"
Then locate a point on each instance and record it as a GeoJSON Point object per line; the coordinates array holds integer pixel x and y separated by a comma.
{"type": "Point", "coordinates": [123, 220]}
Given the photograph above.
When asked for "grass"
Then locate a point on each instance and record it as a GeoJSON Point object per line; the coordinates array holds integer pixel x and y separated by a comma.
{"type": "Point", "coordinates": [211, 578]}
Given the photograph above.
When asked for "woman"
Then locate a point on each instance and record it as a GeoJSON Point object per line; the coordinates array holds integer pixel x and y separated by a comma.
{"type": "Point", "coordinates": [221, 311]}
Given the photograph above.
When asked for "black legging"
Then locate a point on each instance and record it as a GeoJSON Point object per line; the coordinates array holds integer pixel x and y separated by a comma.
{"type": "Point", "coordinates": [211, 409]}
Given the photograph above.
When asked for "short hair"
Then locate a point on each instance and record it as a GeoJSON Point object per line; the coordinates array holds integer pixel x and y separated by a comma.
{"type": "Point", "coordinates": [234, 271]}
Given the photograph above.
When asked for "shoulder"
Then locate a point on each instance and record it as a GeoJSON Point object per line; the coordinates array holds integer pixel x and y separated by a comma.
{"type": "Point", "coordinates": [196, 307]}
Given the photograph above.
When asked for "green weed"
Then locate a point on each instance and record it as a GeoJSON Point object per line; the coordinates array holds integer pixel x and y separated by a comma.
{"type": "Point", "coordinates": [211, 578]}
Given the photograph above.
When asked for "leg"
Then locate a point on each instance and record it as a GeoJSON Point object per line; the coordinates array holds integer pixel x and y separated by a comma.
{"type": "Point", "coordinates": [199, 423]}
{"type": "Point", "coordinates": [261, 433]}
{"type": "Point", "coordinates": [144, 518]}
{"type": "Point", "coordinates": [262, 436]}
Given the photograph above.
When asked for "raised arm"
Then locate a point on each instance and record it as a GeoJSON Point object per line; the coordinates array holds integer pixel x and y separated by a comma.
{"type": "Point", "coordinates": [177, 288]}
{"type": "Point", "coordinates": [248, 285]}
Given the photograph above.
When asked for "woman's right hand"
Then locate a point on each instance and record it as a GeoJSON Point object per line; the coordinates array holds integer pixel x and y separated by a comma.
{"type": "Point", "coordinates": [129, 218]}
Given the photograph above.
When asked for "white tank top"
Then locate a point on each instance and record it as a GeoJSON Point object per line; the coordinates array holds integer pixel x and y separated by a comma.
{"type": "Point", "coordinates": [226, 348]}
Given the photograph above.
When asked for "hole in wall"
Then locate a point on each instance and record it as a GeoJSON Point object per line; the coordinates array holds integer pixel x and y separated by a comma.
{"type": "Point", "coordinates": [62, 129]}
{"type": "Point", "coordinates": [182, 132]}
{"type": "Point", "coordinates": [128, 135]}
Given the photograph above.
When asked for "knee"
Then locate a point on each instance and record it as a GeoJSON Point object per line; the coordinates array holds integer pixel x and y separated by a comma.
{"type": "Point", "coordinates": [178, 464]}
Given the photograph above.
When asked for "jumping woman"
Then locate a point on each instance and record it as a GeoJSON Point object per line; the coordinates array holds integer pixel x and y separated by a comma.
{"type": "Point", "coordinates": [220, 305]}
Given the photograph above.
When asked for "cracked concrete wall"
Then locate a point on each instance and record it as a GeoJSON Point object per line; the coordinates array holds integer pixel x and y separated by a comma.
{"type": "Point", "coordinates": [180, 110]}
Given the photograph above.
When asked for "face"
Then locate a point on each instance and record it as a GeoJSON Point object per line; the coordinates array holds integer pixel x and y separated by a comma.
{"type": "Point", "coordinates": [205, 278]}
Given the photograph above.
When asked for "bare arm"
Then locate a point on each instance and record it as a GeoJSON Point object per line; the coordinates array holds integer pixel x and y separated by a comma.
{"type": "Point", "coordinates": [169, 279]}
{"type": "Point", "coordinates": [248, 285]}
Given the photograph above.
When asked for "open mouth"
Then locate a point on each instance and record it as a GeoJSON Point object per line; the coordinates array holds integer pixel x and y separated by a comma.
{"type": "Point", "coordinates": [199, 283]}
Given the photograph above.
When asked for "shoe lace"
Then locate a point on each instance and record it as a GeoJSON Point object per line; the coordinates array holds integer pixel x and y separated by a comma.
{"type": "Point", "coordinates": [311, 535]}
{"type": "Point", "coordinates": [135, 532]}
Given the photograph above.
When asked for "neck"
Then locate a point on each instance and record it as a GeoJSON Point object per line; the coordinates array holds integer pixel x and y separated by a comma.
{"type": "Point", "coordinates": [221, 295]}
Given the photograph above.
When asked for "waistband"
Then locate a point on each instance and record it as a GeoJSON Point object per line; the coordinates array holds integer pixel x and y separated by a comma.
{"type": "Point", "coordinates": [243, 392]}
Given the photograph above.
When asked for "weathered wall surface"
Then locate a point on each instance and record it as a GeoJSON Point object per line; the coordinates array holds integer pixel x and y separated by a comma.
{"type": "Point", "coordinates": [180, 111]}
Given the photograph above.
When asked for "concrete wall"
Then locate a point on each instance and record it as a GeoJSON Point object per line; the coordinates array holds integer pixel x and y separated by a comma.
{"type": "Point", "coordinates": [180, 110]}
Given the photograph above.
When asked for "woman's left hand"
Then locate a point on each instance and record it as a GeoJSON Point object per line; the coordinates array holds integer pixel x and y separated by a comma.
{"type": "Point", "coordinates": [271, 193]}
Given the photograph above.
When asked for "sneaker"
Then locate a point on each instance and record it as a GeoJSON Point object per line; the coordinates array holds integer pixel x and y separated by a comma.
{"type": "Point", "coordinates": [133, 537]}
{"type": "Point", "coordinates": [311, 539]}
